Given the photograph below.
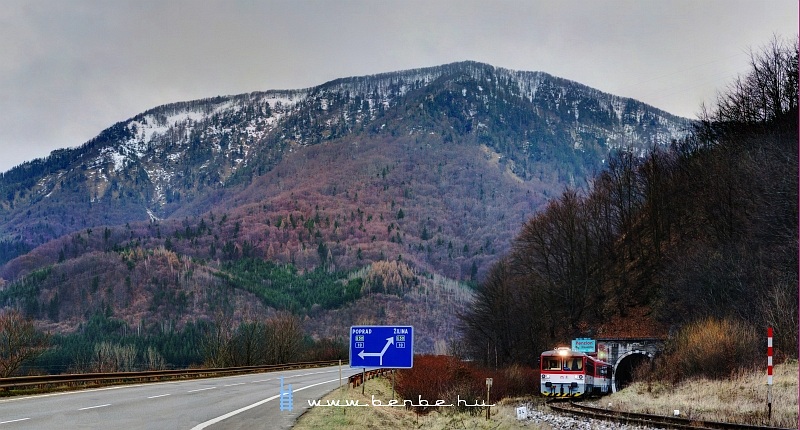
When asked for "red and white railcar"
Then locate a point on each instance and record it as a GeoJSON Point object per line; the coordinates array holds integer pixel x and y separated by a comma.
{"type": "Point", "coordinates": [566, 373]}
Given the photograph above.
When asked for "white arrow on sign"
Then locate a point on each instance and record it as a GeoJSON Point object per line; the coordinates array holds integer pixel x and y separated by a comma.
{"type": "Point", "coordinates": [389, 341]}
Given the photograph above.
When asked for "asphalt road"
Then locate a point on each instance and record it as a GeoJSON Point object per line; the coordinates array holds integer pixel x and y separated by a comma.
{"type": "Point", "coordinates": [234, 402]}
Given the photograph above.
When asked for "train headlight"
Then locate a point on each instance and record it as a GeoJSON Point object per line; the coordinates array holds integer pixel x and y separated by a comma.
{"type": "Point", "coordinates": [580, 376]}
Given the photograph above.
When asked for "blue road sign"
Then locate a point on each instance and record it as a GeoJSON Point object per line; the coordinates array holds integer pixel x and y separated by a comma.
{"type": "Point", "coordinates": [382, 346]}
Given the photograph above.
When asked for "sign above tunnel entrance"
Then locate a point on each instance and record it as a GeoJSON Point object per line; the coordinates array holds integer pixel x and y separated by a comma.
{"type": "Point", "coordinates": [584, 345]}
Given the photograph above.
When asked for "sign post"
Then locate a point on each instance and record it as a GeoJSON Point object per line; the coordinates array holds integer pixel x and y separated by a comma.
{"type": "Point", "coordinates": [488, 387]}
{"type": "Point", "coordinates": [386, 347]}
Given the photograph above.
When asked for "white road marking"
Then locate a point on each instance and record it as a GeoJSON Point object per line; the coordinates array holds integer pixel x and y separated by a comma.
{"type": "Point", "coordinates": [14, 421]}
{"type": "Point", "coordinates": [160, 395]}
{"type": "Point", "coordinates": [294, 376]}
{"type": "Point", "coordinates": [94, 407]}
{"type": "Point", "coordinates": [89, 390]}
{"type": "Point", "coordinates": [233, 385]}
{"type": "Point", "coordinates": [240, 410]}
{"type": "Point", "coordinates": [201, 389]}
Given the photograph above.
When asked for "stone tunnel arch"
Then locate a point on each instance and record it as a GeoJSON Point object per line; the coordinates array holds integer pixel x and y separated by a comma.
{"type": "Point", "coordinates": [624, 367]}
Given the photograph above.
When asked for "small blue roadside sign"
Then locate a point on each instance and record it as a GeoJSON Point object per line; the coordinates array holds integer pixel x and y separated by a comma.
{"type": "Point", "coordinates": [390, 347]}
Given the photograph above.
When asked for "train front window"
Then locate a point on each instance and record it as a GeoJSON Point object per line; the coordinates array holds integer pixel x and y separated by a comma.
{"type": "Point", "coordinates": [553, 363]}
{"type": "Point", "coordinates": [573, 364]}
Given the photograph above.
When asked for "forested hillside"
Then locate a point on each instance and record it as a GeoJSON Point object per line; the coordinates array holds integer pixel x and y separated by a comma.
{"type": "Point", "coordinates": [238, 208]}
{"type": "Point", "coordinates": [706, 228]}
{"type": "Point", "coordinates": [191, 158]}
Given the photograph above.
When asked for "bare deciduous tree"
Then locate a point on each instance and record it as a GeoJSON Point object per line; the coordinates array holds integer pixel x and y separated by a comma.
{"type": "Point", "coordinates": [767, 91]}
{"type": "Point", "coordinates": [153, 359]}
{"type": "Point", "coordinates": [19, 342]}
{"type": "Point", "coordinates": [284, 335]}
{"type": "Point", "coordinates": [249, 344]}
{"type": "Point", "coordinates": [217, 343]}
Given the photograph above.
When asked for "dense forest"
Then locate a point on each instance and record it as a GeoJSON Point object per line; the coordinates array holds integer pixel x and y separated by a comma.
{"type": "Point", "coordinates": [223, 331]}
{"type": "Point", "coordinates": [706, 228]}
{"type": "Point", "coordinates": [107, 344]}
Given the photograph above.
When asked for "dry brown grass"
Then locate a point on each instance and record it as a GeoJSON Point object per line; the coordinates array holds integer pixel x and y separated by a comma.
{"type": "Point", "coordinates": [334, 418]}
{"type": "Point", "coordinates": [741, 399]}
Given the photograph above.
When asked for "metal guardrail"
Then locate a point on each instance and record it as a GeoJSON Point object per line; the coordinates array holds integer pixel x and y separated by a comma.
{"type": "Point", "coordinates": [359, 378]}
{"type": "Point", "coordinates": [72, 379]}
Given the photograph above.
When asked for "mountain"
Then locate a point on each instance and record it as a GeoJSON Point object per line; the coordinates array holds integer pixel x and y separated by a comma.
{"type": "Point", "coordinates": [434, 169]}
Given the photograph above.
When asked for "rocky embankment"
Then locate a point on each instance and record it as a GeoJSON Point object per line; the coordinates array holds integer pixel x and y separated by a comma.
{"type": "Point", "coordinates": [543, 417]}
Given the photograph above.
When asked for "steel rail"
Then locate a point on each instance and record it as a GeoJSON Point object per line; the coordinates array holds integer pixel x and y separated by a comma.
{"type": "Point", "coordinates": [42, 381]}
{"type": "Point", "coordinates": [652, 420]}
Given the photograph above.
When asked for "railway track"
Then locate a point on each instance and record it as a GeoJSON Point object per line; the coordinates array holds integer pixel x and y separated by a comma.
{"type": "Point", "coordinates": [658, 421]}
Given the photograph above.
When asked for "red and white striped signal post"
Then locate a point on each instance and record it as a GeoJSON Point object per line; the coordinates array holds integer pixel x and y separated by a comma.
{"type": "Point", "coordinates": [769, 373]}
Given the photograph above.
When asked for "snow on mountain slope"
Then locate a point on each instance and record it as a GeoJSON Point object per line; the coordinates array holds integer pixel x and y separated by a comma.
{"type": "Point", "coordinates": [160, 160]}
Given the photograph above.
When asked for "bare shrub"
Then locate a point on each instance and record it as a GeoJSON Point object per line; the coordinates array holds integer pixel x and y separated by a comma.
{"type": "Point", "coordinates": [114, 358]}
{"type": "Point", "coordinates": [711, 348]}
{"type": "Point", "coordinates": [460, 383]}
{"type": "Point", "coordinates": [426, 380]}
{"type": "Point", "coordinates": [521, 380]}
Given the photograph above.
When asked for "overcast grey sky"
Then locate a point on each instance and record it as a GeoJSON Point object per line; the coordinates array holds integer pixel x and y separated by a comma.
{"type": "Point", "coordinates": [69, 69]}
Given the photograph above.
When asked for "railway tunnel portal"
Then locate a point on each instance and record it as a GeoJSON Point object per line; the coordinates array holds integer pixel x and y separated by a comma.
{"type": "Point", "coordinates": [626, 355]}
